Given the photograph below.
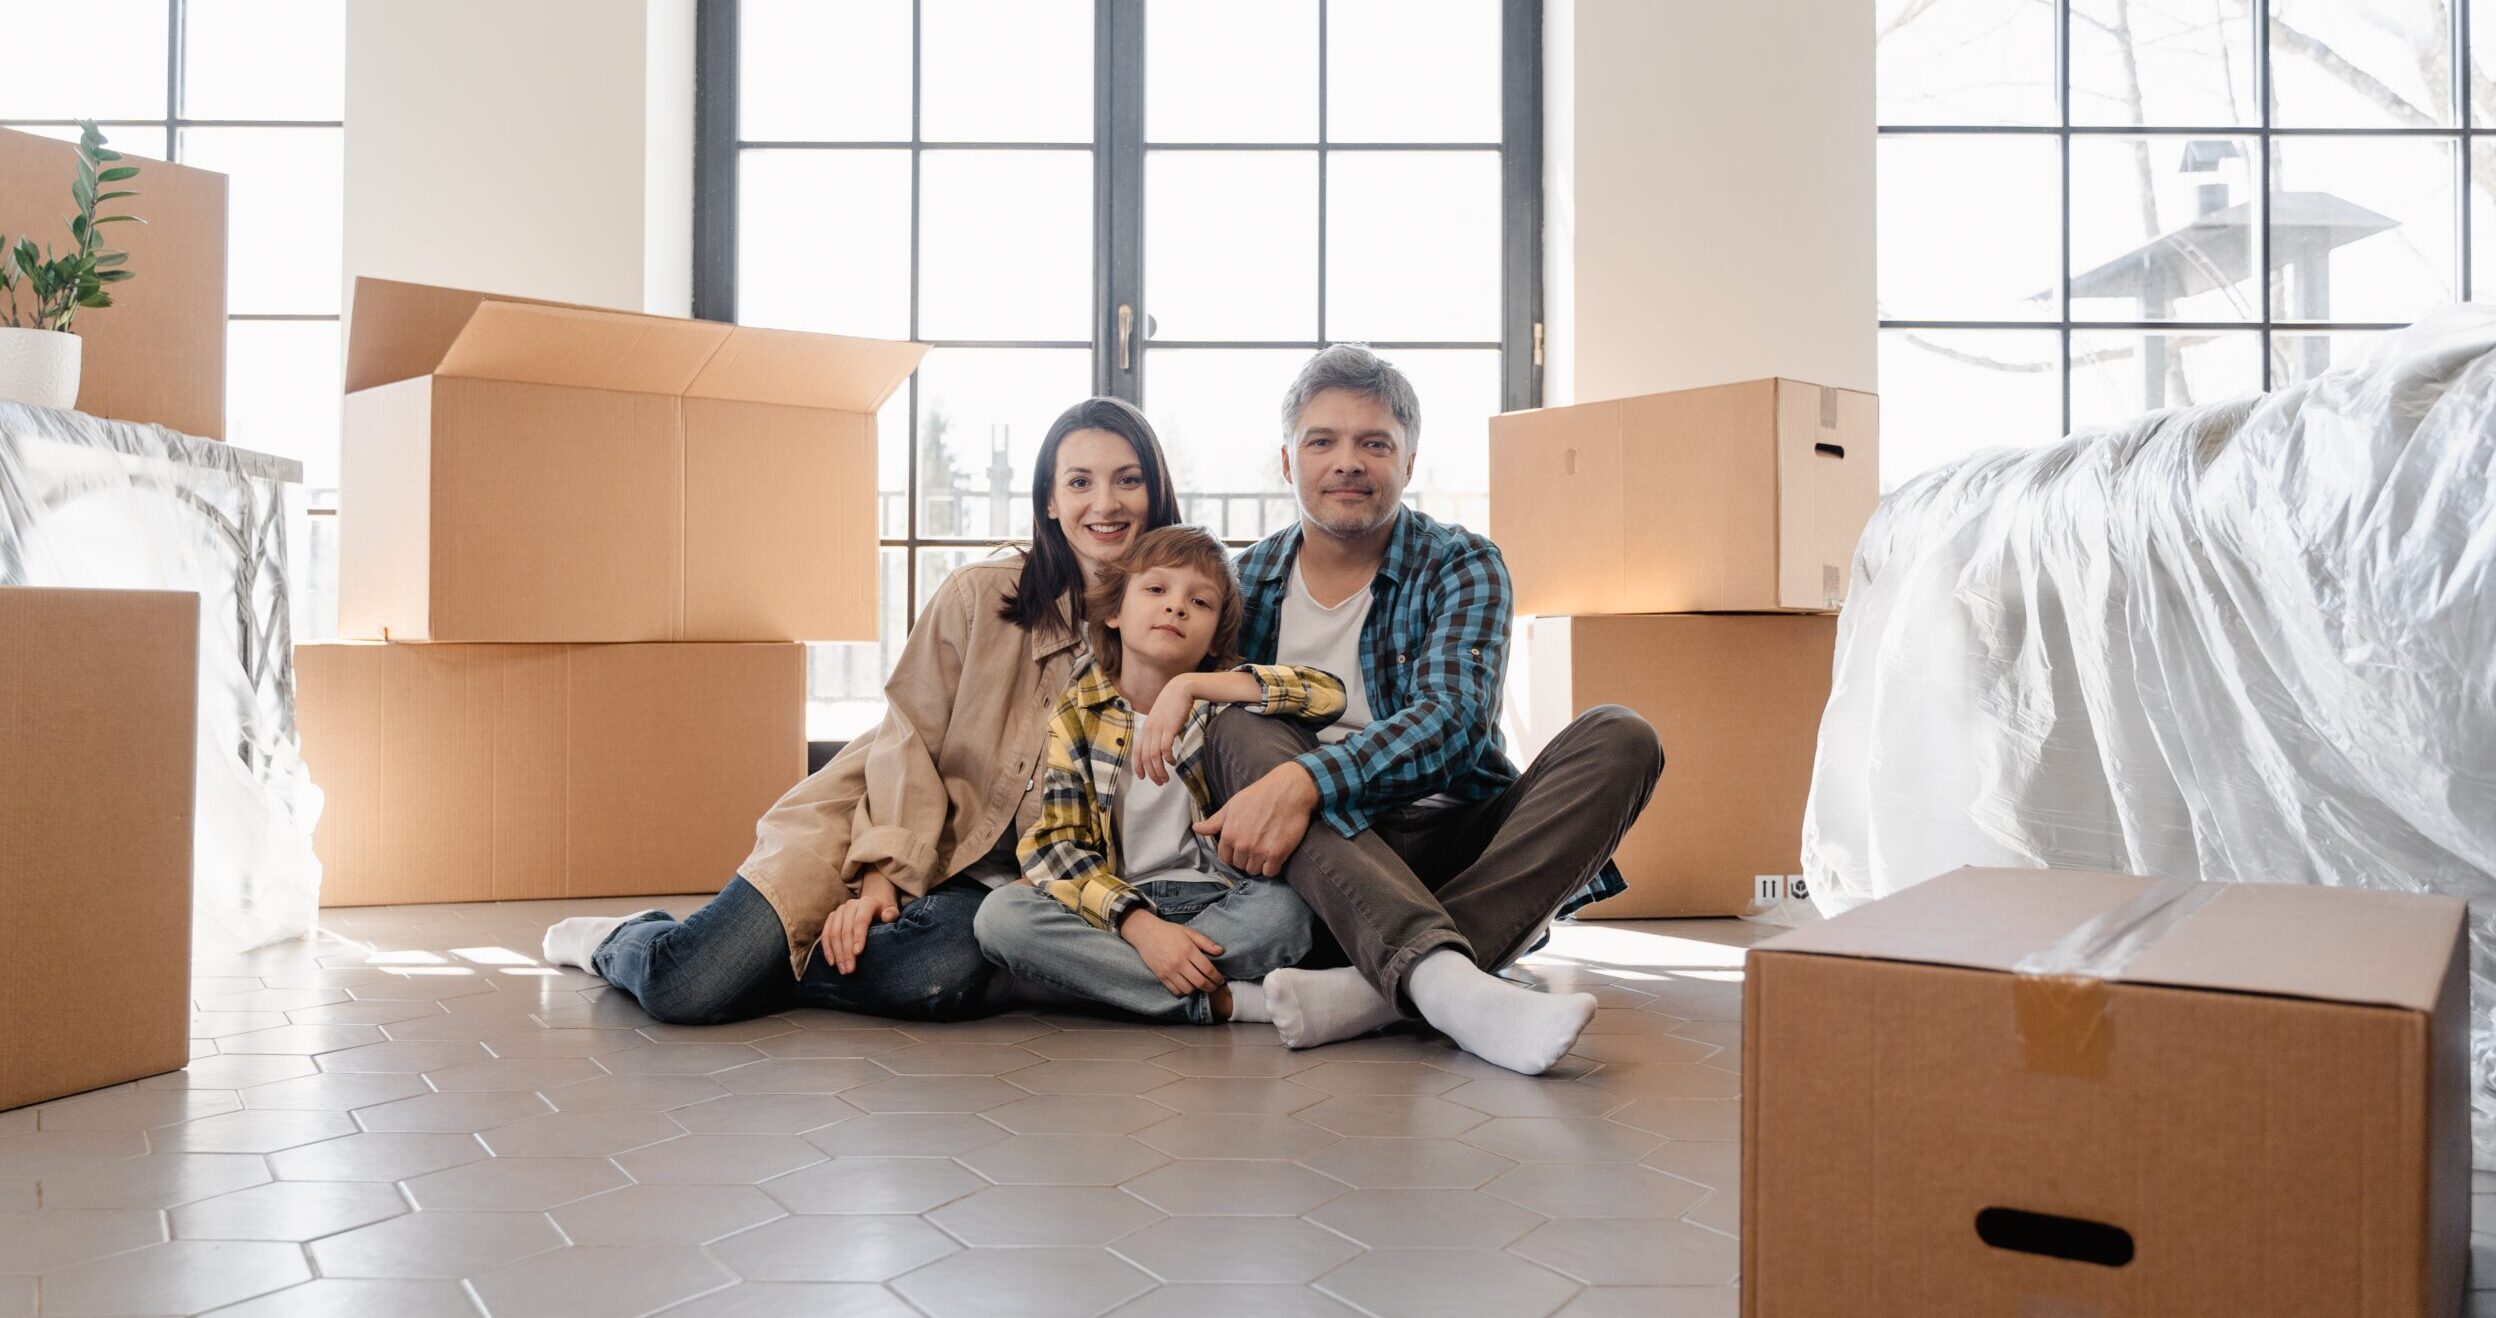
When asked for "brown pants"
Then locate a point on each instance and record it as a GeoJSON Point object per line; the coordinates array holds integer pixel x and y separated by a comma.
{"type": "Point", "coordinates": [1483, 878]}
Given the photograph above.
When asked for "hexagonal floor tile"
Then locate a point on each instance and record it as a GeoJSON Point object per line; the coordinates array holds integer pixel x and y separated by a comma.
{"type": "Point", "coordinates": [834, 1043]}
{"type": "Point", "coordinates": [1634, 1253]}
{"type": "Point", "coordinates": [160, 1180]}
{"type": "Point", "coordinates": [1523, 1096]}
{"type": "Point", "coordinates": [1092, 1077]}
{"type": "Point", "coordinates": [679, 1058]}
{"type": "Point", "coordinates": [873, 1185]}
{"type": "Point", "coordinates": [334, 1093]}
{"type": "Point", "coordinates": [1426, 1219]}
{"type": "Point", "coordinates": [1023, 1283]}
{"type": "Point", "coordinates": [514, 1184]}
{"type": "Point", "coordinates": [1685, 1118]}
{"type": "Point", "coordinates": [452, 1114]}
{"type": "Point", "coordinates": [1390, 1114]}
{"type": "Point", "coordinates": [376, 1157]}
{"type": "Point", "coordinates": [233, 1072]}
{"type": "Point", "coordinates": [1236, 1094]}
{"type": "Point", "coordinates": [328, 1297]}
{"type": "Point", "coordinates": [1063, 1160]}
{"type": "Point", "coordinates": [254, 1131]}
{"type": "Point", "coordinates": [666, 1214]}
{"type": "Point", "coordinates": [55, 1238]}
{"type": "Point", "coordinates": [995, 1029]}
{"type": "Point", "coordinates": [778, 1299]}
{"type": "Point", "coordinates": [1716, 1164]}
{"type": "Point", "coordinates": [579, 1134]}
{"type": "Point", "coordinates": [1235, 1249]}
{"type": "Point", "coordinates": [590, 1279]}
{"type": "Point", "coordinates": [1407, 1163]}
{"type": "Point", "coordinates": [833, 1249]}
{"type": "Point", "coordinates": [1025, 1216]}
{"type": "Point", "coordinates": [301, 1039]}
{"type": "Point", "coordinates": [1563, 1139]}
{"type": "Point", "coordinates": [762, 1027]}
{"type": "Point", "coordinates": [957, 1059]}
{"type": "Point", "coordinates": [1581, 1190]}
{"type": "Point", "coordinates": [402, 1056]}
{"type": "Point", "coordinates": [718, 1159]}
{"type": "Point", "coordinates": [762, 1114]}
{"type": "Point", "coordinates": [288, 1210]}
{"type": "Point", "coordinates": [564, 1043]}
{"type": "Point", "coordinates": [515, 1074]}
{"type": "Point", "coordinates": [436, 1244]}
{"type": "Point", "coordinates": [1234, 1300]}
{"type": "Point", "coordinates": [1431, 1283]}
{"type": "Point", "coordinates": [48, 1152]}
{"type": "Point", "coordinates": [1077, 1114]}
{"type": "Point", "coordinates": [1103, 1045]}
{"type": "Point", "coordinates": [800, 1075]}
{"type": "Point", "coordinates": [906, 1134]}
{"type": "Point", "coordinates": [1235, 1135]}
{"type": "Point", "coordinates": [633, 1093]}
{"type": "Point", "coordinates": [123, 1109]}
{"type": "Point", "coordinates": [1234, 1187]}
{"type": "Point", "coordinates": [933, 1093]}
{"type": "Point", "coordinates": [1238, 1063]}
{"type": "Point", "coordinates": [1377, 1078]}
{"type": "Point", "coordinates": [180, 1276]}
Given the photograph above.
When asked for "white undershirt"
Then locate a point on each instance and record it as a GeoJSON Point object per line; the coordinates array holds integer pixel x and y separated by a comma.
{"type": "Point", "coordinates": [1155, 837]}
{"type": "Point", "coordinates": [1329, 640]}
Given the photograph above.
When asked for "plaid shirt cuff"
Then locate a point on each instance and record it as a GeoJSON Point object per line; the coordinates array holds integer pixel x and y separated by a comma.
{"type": "Point", "coordinates": [1337, 774]}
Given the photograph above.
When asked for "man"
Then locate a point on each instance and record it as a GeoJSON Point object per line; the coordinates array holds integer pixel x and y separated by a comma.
{"type": "Point", "coordinates": [1405, 826]}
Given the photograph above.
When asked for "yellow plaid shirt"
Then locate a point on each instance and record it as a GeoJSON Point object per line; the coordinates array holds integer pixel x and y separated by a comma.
{"type": "Point", "coordinates": [1072, 851]}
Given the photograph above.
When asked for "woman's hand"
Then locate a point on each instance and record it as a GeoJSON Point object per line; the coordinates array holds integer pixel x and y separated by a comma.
{"type": "Point", "coordinates": [845, 930]}
{"type": "Point", "coordinates": [1156, 744]}
{"type": "Point", "coordinates": [1178, 956]}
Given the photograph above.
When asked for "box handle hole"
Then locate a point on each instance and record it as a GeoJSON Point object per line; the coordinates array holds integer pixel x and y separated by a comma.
{"type": "Point", "coordinates": [1569, 459]}
{"type": "Point", "coordinates": [2054, 1236]}
{"type": "Point", "coordinates": [1833, 450]}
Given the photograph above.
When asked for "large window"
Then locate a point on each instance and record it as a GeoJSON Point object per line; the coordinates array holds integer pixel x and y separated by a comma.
{"type": "Point", "coordinates": [2093, 208]}
{"type": "Point", "coordinates": [253, 89]}
{"type": "Point", "coordinates": [1172, 201]}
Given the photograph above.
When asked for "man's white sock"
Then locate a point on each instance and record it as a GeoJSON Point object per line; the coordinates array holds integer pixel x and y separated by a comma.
{"type": "Point", "coordinates": [1311, 1007]}
{"type": "Point", "coordinates": [570, 942]}
{"type": "Point", "coordinates": [1495, 1020]}
{"type": "Point", "coordinates": [1248, 1002]}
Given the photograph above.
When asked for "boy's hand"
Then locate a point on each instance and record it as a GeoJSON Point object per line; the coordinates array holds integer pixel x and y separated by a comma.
{"type": "Point", "coordinates": [1160, 736]}
{"type": "Point", "coordinates": [845, 929]}
{"type": "Point", "coordinates": [1179, 957]}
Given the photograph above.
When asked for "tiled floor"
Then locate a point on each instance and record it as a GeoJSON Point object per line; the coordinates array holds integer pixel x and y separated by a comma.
{"type": "Point", "coordinates": [410, 1116]}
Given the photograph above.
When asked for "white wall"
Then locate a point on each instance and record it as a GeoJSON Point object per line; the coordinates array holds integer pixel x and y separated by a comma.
{"type": "Point", "coordinates": [535, 147]}
{"type": "Point", "coordinates": [1708, 194]}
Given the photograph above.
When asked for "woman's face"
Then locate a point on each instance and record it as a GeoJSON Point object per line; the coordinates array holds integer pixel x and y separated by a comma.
{"type": "Point", "coordinates": [1099, 499]}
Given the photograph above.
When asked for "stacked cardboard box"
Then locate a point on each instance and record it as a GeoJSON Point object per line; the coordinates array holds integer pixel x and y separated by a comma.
{"type": "Point", "coordinates": [577, 551]}
{"type": "Point", "coordinates": [1682, 554]}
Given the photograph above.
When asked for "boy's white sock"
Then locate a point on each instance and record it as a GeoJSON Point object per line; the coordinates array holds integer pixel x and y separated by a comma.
{"type": "Point", "coordinates": [1311, 1007]}
{"type": "Point", "coordinates": [1248, 1002]}
{"type": "Point", "coordinates": [570, 942]}
{"type": "Point", "coordinates": [1497, 1021]}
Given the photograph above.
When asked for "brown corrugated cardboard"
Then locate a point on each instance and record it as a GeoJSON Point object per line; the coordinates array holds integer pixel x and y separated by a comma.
{"type": "Point", "coordinates": [518, 772]}
{"type": "Point", "coordinates": [2263, 1112]}
{"type": "Point", "coordinates": [1736, 700]}
{"type": "Point", "coordinates": [1732, 499]}
{"type": "Point", "coordinates": [158, 353]}
{"type": "Point", "coordinates": [99, 698]}
{"type": "Point", "coordinates": [529, 471]}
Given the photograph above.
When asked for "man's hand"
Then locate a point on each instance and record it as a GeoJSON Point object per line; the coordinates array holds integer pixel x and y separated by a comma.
{"type": "Point", "coordinates": [1154, 744]}
{"type": "Point", "coordinates": [1178, 956]}
{"type": "Point", "coordinates": [845, 929]}
{"type": "Point", "coordinates": [1262, 825]}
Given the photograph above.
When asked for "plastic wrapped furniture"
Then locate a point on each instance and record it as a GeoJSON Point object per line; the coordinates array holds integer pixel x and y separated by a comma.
{"type": "Point", "coordinates": [2250, 641]}
{"type": "Point", "coordinates": [90, 502]}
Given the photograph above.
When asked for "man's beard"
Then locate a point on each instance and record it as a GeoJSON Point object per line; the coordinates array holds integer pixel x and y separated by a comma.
{"type": "Point", "coordinates": [1349, 523]}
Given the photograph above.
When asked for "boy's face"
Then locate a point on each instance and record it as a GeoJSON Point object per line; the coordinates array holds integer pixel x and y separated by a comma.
{"type": "Point", "coordinates": [1168, 617]}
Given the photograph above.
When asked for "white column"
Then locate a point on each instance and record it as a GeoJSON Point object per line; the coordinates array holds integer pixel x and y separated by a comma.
{"type": "Point", "coordinates": [535, 147]}
{"type": "Point", "coordinates": [1708, 194]}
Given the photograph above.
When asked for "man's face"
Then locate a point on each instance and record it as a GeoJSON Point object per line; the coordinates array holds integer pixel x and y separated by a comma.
{"type": "Point", "coordinates": [1348, 460]}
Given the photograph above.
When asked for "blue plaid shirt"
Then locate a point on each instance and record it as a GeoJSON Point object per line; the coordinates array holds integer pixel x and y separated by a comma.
{"type": "Point", "coordinates": [1434, 654]}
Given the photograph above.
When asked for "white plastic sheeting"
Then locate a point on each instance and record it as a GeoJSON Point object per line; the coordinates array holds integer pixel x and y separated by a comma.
{"type": "Point", "coordinates": [95, 503]}
{"type": "Point", "coordinates": [2250, 641]}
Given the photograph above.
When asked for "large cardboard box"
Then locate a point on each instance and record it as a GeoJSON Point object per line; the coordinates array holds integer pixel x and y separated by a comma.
{"type": "Point", "coordinates": [2264, 1110]}
{"type": "Point", "coordinates": [1737, 498]}
{"type": "Point", "coordinates": [518, 772]}
{"type": "Point", "coordinates": [99, 703]}
{"type": "Point", "coordinates": [158, 353]}
{"type": "Point", "coordinates": [526, 471]}
{"type": "Point", "coordinates": [1736, 701]}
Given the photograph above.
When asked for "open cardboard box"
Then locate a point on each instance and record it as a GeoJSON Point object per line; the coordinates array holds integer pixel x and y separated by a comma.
{"type": "Point", "coordinates": [529, 471]}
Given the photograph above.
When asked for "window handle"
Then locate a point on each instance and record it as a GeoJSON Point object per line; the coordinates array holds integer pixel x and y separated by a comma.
{"type": "Point", "coordinates": [1126, 337]}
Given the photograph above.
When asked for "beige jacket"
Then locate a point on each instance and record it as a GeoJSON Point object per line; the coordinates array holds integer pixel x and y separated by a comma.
{"type": "Point", "coordinates": [954, 763]}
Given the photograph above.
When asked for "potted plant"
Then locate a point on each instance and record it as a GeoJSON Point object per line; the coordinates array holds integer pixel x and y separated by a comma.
{"type": "Point", "coordinates": [39, 348]}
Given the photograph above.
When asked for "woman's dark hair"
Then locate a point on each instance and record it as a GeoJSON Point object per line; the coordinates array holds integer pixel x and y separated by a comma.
{"type": "Point", "coordinates": [1051, 571]}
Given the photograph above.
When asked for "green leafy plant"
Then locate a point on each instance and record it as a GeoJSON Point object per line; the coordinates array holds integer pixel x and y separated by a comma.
{"type": "Point", "coordinates": [64, 284]}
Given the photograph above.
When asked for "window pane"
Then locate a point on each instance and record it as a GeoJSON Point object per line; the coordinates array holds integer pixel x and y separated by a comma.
{"type": "Point", "coordinates": [2482, 63]}
{"type": "Point", "coordinates": [1459, 391]}
{"type": "Point", "coordinates": [1230, 73]}
{"type": "Point", "coordinates": [814, 72]}
{"type": "Point", "coordinates": [1216, 412]}
{"type": "Point", "coordinates": [1947, 393]}
{"type": "Point", "coordinates": [283, 214]}
{"type": "Point", "coordinates": [2115, 377]}
{"type": "Point", "coordinates": [823, 241]}
{"type": "Point", "coordinates": [937, 564]}
{"type": "Point", "coordinates": [1230, 244]}
{"type": "Point", "coordinates": [312, 566]}
{"type": "Point", "coordinates": [2361, 228]}
{"type": "Point", "coordinates": [2296, 358]}
{"type": "Point", "coordinates": [1968, 228]}
{"type": "Point", "coordinates": [2341, 65]}
{"type": "Point", "coordinates": [892, 465]}
{"type": "Point", "coordinates": [1007, 70]}
{"type": "Point", "coordinates": [58, 70]}
{"type": "Point", "coordinates": [982, 414]}
{"type": "Point", "coordinates": [1965, 61]}
{"type": "Point", "coordinates": [1412, 70]}
{"type": "Point", "coordinates": [264, 59]}
{"type": "Point", "coordinates": [1006, 245]}
{"type": "Point", "coordinates": [2483, 215]}
{"type": "Point", "coordinates": [845, 682]}
{"type": "Point", "coordinates": [2162, 62]}
{"type": "Point", "coordinates": [1412, 245]}
{"type": "Point", "coordinates": [2162, 228]}
{"type": "Point", "coordinates": [282, 385]}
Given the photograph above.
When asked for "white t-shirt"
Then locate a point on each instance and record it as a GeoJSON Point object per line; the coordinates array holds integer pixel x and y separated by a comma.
{"type": "Point", "coordinates": [1329, 640]}
{"type": "Point", "coordinates": [1156, 838]}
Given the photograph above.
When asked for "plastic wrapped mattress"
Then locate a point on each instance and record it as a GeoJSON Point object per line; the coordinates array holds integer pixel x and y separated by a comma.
{"type": "Point", "coordinates": [2253, 641]}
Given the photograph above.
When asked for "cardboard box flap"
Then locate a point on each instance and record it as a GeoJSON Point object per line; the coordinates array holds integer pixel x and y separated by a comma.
{"type": "Point", "coordinates": [398, 331]}
{"type": "Point", "coordinates": [807, 370]}
{"type": "Point", "coordinates": [2287, 940]}
{"type": "Point", "coordinates": [582, 348]}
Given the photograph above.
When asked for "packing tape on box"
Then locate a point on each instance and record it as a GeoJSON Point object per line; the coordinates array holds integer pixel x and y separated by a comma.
{"type": "Point", "coordinates": [2060, 992]}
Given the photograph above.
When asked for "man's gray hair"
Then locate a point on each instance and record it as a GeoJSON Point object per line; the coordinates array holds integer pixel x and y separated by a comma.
{"type": "Point", "coordinates": [1353, 366]}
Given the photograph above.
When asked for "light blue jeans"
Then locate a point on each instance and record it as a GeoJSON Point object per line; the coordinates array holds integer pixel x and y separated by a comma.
{"type": "Point", "coordinates": [1261, 925]}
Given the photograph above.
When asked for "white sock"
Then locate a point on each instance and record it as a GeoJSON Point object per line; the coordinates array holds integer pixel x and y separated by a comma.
{"type": "Point", "coordinates": [569, 942]}
{"type": "Point", "coordinates": [1248, 1002]}
{"type": "Point", "coordinates": [1500, 1022]}
{"type": "Point", "coordinates": [1311, 1007]}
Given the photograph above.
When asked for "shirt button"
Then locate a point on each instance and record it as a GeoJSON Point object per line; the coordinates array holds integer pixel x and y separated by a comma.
{"type": "Point", "coordinates": [1399, 658]}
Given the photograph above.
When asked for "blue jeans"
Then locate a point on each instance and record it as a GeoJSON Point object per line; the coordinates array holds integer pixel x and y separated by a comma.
{"type": "Point", "coordinates": [1261, 925]}
{"type": "Point", "coordinates": [729, 961]}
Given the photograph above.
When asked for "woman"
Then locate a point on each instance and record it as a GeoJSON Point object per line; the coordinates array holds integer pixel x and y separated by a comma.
{"type": "Point", "coordinates": [863, 881]}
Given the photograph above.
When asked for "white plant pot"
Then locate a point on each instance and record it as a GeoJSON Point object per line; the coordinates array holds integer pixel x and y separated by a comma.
{"type": "Point", "coordinates": [39, 366]}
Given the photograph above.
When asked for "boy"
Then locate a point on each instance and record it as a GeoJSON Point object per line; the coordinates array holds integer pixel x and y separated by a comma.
{"type": "Point", "coordinates": [1121, 902]}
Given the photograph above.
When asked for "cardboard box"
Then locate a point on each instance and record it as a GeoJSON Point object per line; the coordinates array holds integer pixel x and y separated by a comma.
{"type": "Point", "coordinates": [1734, 499]}
{"type": "Point", "coordinates": [158, 353]}
{"type": "Point", "coordinates": [2265, 1111]}
{"type": "Point", "coordinates": [99, 705]}
{"type": "Point", "coordinates": [1736, 700]}
{"type": "Point", "coordinates": [526, 471]}
{"type": "Point", "coordinates": [519, 772]}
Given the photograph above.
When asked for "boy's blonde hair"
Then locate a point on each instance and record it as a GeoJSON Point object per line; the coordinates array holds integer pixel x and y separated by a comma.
{"type": "Point", "coordinates": [1171, 546]}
